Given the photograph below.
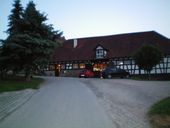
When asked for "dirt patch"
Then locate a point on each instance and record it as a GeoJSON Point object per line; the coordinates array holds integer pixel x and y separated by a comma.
{"type": "Point", "coordinates": [160, 121]}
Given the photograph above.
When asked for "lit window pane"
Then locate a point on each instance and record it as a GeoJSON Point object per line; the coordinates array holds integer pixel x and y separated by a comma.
{"type": "Point", "coordinates": [82, 65]}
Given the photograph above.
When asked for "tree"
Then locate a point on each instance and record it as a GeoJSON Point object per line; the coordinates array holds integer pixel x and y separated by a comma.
{"type": "Point", "coordinates": [1, 64]}
{"type": "Point", "coordinates": [7, 60]}
{"type": "Point", "coordinates": [8, 56]}
{"type": "Point", "coordinates": [39, 39]}
{"type": "Point", "coordinates": [147, 57]}
{"type": "Point", "coordinates": [32, 44]}
{"type": "Point", "coordinates": [15, 18]}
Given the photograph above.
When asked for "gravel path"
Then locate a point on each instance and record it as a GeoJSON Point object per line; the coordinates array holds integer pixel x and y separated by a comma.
{"type": "Point", "coordinates": [127, 101]}
{"type": "Point", "coordinates": [60, 103]}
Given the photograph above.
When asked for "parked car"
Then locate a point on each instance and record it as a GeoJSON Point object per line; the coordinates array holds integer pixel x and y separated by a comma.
{"type": "Point", "coordinates": [86, 74]}
{"type": "Point", "coordinates": [111, 72]}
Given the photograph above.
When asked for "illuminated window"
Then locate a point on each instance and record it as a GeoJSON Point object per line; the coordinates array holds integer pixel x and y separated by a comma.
{"type": "Point", "coordinates": [69, 66]}
{"type": "Point", "coordinates": [99, 67]}
{"type": "Point", "coordinates": [82, 65]}
{"type": "Point", "coordinates": [100, 52]}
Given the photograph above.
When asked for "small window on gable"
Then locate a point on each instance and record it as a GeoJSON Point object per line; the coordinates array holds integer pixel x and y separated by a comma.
{"type": "Point", "coordinates": [100, 52]}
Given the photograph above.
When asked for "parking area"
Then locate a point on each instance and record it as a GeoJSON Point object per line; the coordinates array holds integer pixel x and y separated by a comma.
{"type": "Point", "coordinates": [127, 101]}
{"type": "Point", "coordinates": [59, 103]}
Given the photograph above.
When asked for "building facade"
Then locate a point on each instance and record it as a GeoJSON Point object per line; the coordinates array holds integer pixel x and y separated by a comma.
{"type": "Point", "coordinates": [99, 52]}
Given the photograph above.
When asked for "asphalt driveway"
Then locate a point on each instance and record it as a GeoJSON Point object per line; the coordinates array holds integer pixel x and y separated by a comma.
{"type": "Point", "coordinates": [60, 103]}
{"type": "Point", "coordinates": [88, 103]}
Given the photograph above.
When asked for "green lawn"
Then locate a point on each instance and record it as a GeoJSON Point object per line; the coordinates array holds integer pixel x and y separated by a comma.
{"type": "Point", "coordinates": [162, 107]}
{"type": "Point", "coordinates": [160, 114]}
{"type": "Point", "coordinates": [19, 84]}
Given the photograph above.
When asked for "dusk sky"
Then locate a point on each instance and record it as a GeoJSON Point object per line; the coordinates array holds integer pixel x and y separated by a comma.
{"type": "Point", "coordinates": [88, 18]}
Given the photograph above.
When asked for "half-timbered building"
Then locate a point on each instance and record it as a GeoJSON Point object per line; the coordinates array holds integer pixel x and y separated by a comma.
{"type": "Point", "coordinates": [119, 49]}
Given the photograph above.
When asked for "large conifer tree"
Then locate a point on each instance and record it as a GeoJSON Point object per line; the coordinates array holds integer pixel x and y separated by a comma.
{"type": "Point", "coordinates": [31, 45]}
{"type": "Point", "coordinates": [39, 39]}
{"type": "Point", "coordinates": [9, 59]}
{"type": "Point", "coordinates": [15, 18]}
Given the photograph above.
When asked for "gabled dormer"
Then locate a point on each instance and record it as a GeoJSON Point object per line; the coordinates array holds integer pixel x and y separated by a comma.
{"type": "Point", "coordinates": [100, 52]}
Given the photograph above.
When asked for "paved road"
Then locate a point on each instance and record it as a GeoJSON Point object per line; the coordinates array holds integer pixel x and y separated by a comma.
{"type": "Point", "coordinates": [127, 101]}
{"type": "Point", "coordinates": [60, 103]}
{"type": "Point", "coordinates": [10, 101]}
{"type": "Point", "coordinates": [71, 103]}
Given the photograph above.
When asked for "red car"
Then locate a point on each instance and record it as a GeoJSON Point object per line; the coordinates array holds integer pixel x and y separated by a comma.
{"type": "Point", "coordinates": [86, 74]}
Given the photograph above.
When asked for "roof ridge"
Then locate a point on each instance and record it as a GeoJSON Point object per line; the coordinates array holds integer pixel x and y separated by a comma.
{"type": "Point", "coordinates": [120, 34]}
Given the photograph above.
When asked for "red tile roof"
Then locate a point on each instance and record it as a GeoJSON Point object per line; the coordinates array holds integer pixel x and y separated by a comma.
{"type": "Point", "coordinates": [122, 45]}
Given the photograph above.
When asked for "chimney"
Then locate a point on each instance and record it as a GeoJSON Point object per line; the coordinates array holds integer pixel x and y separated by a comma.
{"type": "Point", "coordinates": [75, 43]}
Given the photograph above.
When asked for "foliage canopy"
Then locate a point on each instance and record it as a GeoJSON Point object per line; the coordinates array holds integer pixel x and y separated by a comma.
{"type": "Point", "coordinates": [147, 57]}
{"type": "Point", "coordinates": [31, 40]}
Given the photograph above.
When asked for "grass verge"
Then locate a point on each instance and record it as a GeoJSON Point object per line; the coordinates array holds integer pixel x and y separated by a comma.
{"type": "Point", "coordinates": [159, 114]}
{"type": "Point", "coordinates": [19, 84]}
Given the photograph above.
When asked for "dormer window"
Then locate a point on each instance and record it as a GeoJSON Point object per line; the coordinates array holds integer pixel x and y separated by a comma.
{"type": "Point", "coordinates": [100, 52]}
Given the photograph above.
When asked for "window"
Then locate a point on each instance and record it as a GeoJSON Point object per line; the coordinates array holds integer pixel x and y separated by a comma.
{"type": "Point", "coordinates": [68, 66]}
{"type": "Point", "coordinates": [62, 66]}
{"type": "Point", "coordinates": [127, 62]}
{"type": "Point", "coordinates": [82, 65]}
{"type": "Point", "coordinates": [100, 52]}
{"type": "Point", "coordinates": [75, 66]}
{"type": "Point", "coordinates": [99, 66]}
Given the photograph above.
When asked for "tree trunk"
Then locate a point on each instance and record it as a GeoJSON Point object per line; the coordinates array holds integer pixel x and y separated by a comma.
{"type": "Point", "coordinates": [14, 73]}
{"type": "Point", "coordinates": [2, 74]}
{"type": "Point", "coordinates": [28, 77]}
{"type": "Point", "coordinates": [28, 74]}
